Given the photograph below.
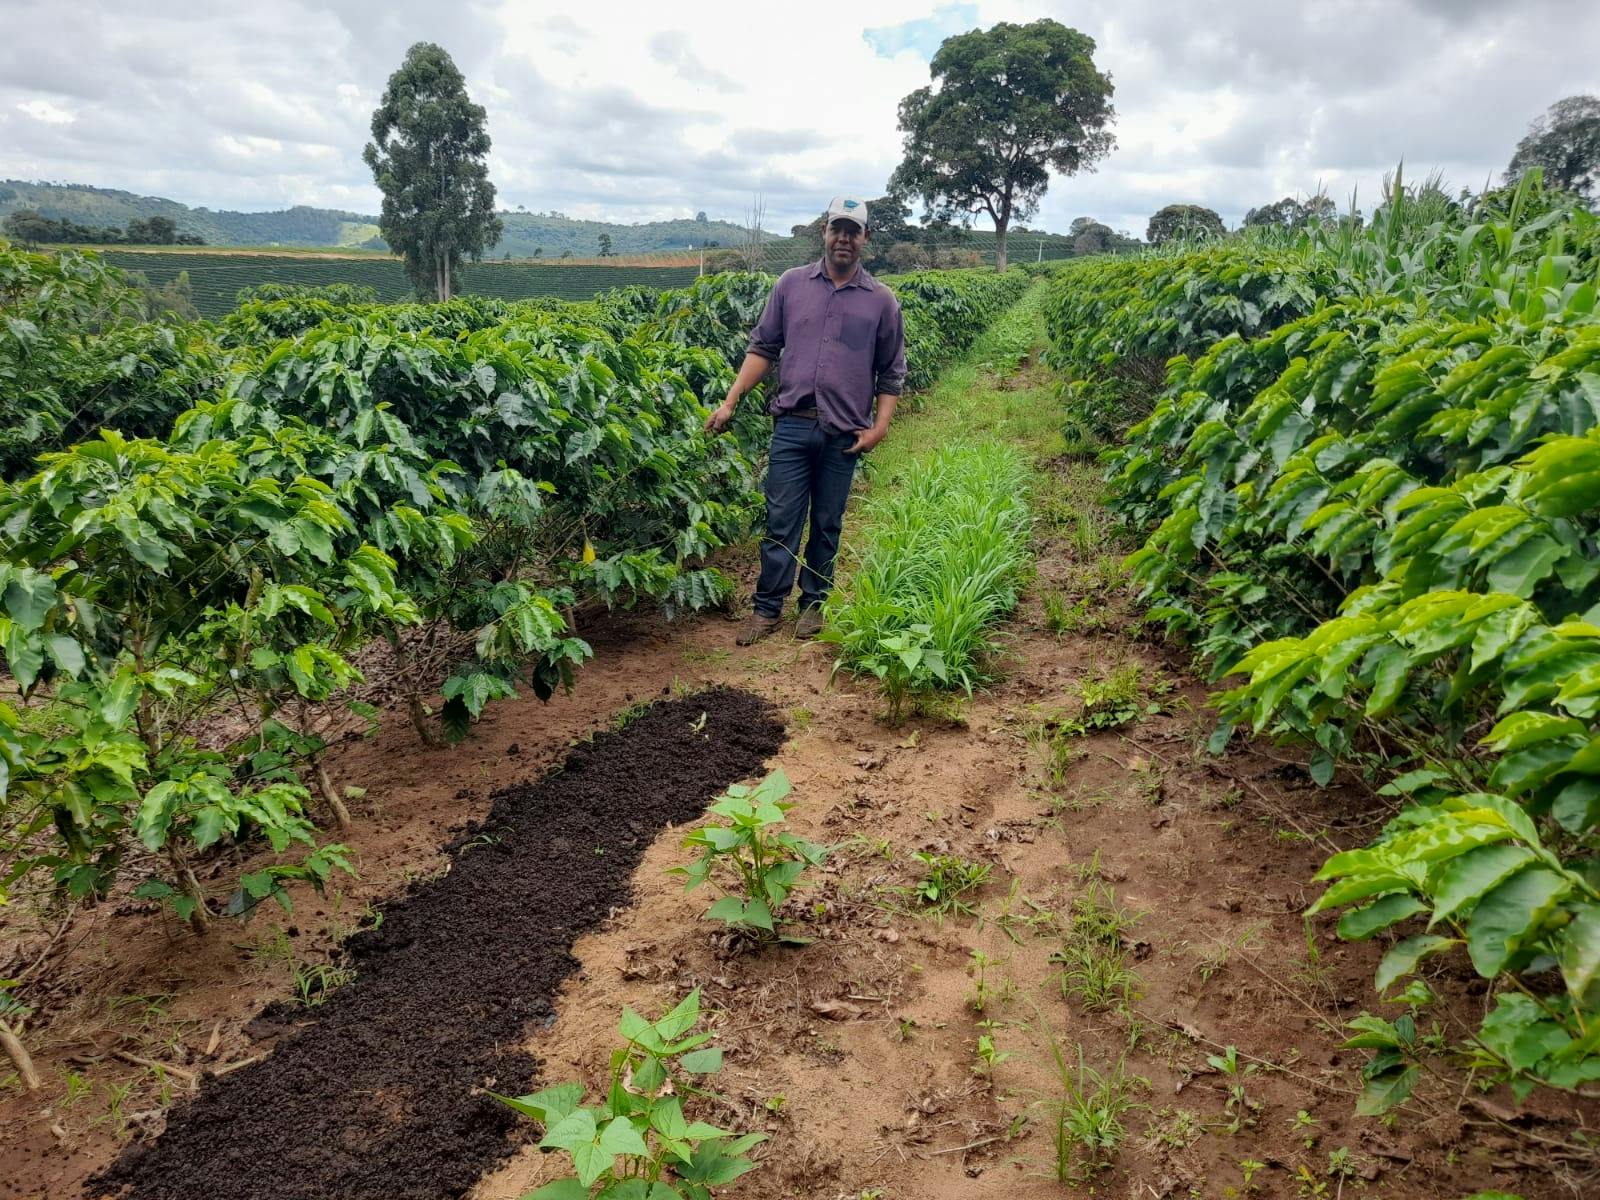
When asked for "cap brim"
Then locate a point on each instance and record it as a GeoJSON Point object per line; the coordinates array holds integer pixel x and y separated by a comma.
{"type": "Point", "coordinates": [856, 221]}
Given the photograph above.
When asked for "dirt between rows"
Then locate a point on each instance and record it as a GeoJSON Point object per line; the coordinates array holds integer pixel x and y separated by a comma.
{"type": "Point", "coordinates": [857, 1054]}
{"type": "Point", "coordinates": [378, 1093]}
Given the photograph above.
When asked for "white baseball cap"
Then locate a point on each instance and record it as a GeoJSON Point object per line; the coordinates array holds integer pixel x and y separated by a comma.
{"type": "Point", "coordinates": [850, 209]}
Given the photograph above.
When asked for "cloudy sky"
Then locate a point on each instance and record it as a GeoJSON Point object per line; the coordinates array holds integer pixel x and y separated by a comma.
{"type": "Point", "coordinates": [632, 111]}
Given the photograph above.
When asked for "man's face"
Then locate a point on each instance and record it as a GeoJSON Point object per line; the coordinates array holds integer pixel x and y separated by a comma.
{"type": "Point", "coordinates": [841, 242]}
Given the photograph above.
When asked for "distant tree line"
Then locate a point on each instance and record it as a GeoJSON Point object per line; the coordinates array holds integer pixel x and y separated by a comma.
{"type": "Point", "coordinates": [29, 227]}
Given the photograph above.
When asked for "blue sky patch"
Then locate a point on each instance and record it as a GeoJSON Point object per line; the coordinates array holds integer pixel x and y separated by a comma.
{"type": "Point", "coordinates": [925, 33]}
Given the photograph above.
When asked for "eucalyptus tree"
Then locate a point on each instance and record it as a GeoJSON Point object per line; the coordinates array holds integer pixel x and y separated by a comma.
{"type": "Point", "coordinates": [427, 155]}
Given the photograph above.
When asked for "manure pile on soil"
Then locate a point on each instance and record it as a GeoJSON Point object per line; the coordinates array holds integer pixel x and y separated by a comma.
{"type": "Point", "coordinates": [372, 1097]}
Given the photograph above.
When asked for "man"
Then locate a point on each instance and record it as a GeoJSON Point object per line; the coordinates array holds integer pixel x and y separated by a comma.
{"type": "Point", "coordinates": [844, 360]}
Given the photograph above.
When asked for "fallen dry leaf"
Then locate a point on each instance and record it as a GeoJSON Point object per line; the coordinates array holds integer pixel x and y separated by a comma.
{"type": "Point", "coordinates": [837, 1010]}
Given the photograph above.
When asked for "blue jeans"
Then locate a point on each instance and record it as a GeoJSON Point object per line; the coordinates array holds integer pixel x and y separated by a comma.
{"type": "Point", "coordinates": [808, 473]}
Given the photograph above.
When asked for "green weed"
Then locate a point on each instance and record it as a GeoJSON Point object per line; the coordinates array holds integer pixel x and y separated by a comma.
{"type": "Point", "coordinates": [313, 983]}
{"type": "Point", "coordinates": [945, 552]}
{"type": "Point", "coordinates": [945, 880]}
{"type": "Point", "coordinates": [1085, 1115]}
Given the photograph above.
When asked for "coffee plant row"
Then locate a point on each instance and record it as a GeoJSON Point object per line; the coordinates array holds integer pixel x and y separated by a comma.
{"type": "Point", "coordinates": [204, 524]}
{"type": "Point", "coordinates": [1369, 486]}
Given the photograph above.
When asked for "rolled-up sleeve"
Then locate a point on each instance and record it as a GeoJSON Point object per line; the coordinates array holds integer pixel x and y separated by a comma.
{"type": "Point", "coordinates": [766, 339]}
{"type": "Point", "coordinates": [889, 355]}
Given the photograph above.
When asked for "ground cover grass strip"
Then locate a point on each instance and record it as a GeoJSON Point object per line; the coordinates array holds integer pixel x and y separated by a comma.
{"type": "Point", "coordinates": [944, 535]}
{"type": "Point", "coordinates": [377, 1096]}
{"type": "Point", "coordinates": [947, 553]}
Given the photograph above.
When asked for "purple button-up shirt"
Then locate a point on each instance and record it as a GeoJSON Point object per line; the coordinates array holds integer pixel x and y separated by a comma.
{"type": "Point", "coordinates": [841, 346]}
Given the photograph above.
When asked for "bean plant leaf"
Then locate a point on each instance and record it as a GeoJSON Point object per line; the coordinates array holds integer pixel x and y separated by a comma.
{"type": "Point", "coordinates": [702, 1062]}
{"type": "Point", "coordinates": [758, 914]}
{"type": "Point", "coordinates": [729, 908]}
{"type": "Point", "coordinates": [620, 1137]}
{"type": "Point", "coordinates": [575, 1128]}
{"type": "Point", "coordinates": [561, 1189]}
{"type": "Point", "coordinates": [550, 1106]}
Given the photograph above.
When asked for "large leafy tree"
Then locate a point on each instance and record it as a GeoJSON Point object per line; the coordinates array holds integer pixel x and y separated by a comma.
{"type": "Point", "coordinates": [1184, 221]}
{"type": "Point", "coordinates": [1007, 106]}
{"type": "Point", "coordinates": [427, 155]}
{"type": "Point", "coordinates": [1290, 213]}
{"type": "Point", "coordinates": [1565, 142]}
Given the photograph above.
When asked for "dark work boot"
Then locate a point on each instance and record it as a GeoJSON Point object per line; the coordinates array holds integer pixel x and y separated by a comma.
{"type": "Point", "coordinates": [756, 626]}
{"type": "Point", "coordinates": [809, 624]}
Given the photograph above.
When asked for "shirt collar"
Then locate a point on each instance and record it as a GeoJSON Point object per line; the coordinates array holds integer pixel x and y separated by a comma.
{"type": "Point", "coordinates": [860, 279]}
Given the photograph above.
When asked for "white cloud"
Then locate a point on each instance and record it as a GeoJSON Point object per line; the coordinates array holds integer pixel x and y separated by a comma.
{"type": "Point", "coordinates": [630, 110]}
{"type": "Point", "coordinates": [43, 110]}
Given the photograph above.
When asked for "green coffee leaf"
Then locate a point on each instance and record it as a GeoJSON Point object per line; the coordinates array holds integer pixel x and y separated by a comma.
{"type": "Point", "coordinates": [1362, 923]}
{"type": "Point", "coordinates": [1511, 916]}
{"type": "Point", "coordinates": [1578, 953]}
{"type": "Point", "coordinates": [1403, 958]}
{"type": "Point", "coordinates": [1461, 881]}
{"type": "Point", "coordinates": [1386, 1091]}
{"type": "Point", "coordinates": [1521, 1033]}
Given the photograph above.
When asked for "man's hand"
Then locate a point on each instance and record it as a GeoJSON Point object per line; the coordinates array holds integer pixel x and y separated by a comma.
{"type": "Point", "coordinates": [720, 417]}
{"type": "Point", "coordinates": [868, 438]}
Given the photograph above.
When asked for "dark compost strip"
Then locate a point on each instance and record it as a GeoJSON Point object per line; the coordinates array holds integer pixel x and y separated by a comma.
{"type": "Point", "coordinates": [374, 1097]}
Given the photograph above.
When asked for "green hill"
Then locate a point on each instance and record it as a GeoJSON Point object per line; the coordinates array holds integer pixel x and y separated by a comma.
{"type": "Point", "coordinates": [525, 233]}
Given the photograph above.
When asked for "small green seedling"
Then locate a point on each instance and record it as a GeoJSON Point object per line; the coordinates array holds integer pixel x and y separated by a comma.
{"type": "Point", "coordinates": [1247, 1170]}
{"type": "Point", "coordinates": [1304, 1123]}
{"type": "Point", "coordinates": [769, 863]}
{"type": "Point", "coordinates": [1240, 1108]}
{"type": "Point", "coordinates": [988, 1057]}
{"type": "Point", "coordinates": [637, 1144]}
{"type": "Point", "coordinates": [946, 879]}
{"type": "Point", "coordinates": [907, 664]}
{"type": "Point", "coordinates": [985, 991]}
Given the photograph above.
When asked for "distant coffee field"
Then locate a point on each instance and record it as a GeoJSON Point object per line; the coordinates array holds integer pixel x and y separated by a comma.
{"type": "Point", "coordinates": [217, 278]}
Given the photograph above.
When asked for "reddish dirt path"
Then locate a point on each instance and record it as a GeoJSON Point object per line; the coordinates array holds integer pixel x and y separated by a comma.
{"type": "Point", "coordinates": [1217, 855]}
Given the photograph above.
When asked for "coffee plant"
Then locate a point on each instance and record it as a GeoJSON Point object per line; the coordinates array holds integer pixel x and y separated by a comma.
{"type": "Point", "coordinates": [1370, 490]}
{"type": "Point", "coordinates": [209, 520]}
